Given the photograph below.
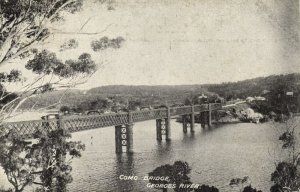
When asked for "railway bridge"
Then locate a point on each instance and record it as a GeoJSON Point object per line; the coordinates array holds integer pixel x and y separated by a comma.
{"type": "Point", "coordinates": [123, 123]}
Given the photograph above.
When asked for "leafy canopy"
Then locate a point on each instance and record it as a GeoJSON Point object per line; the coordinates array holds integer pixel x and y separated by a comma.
{"type": "Point", "coordinates": [41, 162]}
{"type": "Point", "coordinates": [47, 63]}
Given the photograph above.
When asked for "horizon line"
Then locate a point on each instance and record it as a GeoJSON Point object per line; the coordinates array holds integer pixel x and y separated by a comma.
{"type": "Point", "coordinates": [204, 84]}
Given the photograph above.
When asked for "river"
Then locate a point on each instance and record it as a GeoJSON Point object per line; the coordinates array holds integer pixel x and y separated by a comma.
{"type": "Point", "coordinates": [215, 156]}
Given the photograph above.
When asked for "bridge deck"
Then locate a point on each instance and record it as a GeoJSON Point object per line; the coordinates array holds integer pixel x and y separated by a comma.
{"type": "Point", "coordinates": [26, 129]}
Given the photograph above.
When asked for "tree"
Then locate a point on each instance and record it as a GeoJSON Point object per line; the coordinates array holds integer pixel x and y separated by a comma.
{"type": "Point", "coordinates": [24, 25]}
{"type": "Point", "coordinates": [42, 163]}
{"type": "Point", "coordinates": [133, 105]}
{"type": "Point", "coordinates": [177, 174]}
{"type": "Point", "coordinates": [14, 166]}
{"type": "Point", "coordinates": [46, 64]}
{"type": "Point", "coordinates": [70, 44]}
{"type": "Point", "coordinates": [240, 183]}
{"type": "Point", "coordinates": [206, 188]}
{"type": "Point", "coordinates": [162, 171]}
{"type": "Point", "coordinates": [105, 43]}
{"type": "Point", "coordinates": [286, 177]}
{"type": "Point", "coordinates": [250, 189]}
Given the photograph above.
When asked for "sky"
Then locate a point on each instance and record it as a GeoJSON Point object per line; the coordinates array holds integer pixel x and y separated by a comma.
{"type": "Point", "coordinates": [173, 42]}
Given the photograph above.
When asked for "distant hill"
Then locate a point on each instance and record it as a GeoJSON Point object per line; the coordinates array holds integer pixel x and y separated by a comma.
{"type": "Point", "coordinates": [143, 90]}
{"type": "Point", "coordinates": [160, 94]}
{"type": "Point", "coordinates": [256, 86]}
{"type": "Point", "coordinates": [149, 95]}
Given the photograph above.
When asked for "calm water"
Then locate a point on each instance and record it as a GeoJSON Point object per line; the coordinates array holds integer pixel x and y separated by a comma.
{"type": "Point", "coordinates": [215, 155]}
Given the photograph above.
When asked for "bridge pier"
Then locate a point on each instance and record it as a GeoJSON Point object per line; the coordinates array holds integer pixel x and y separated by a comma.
{"type": "Point", "coordinates": [205, 117]}
{"type": "Point", "coordinates": [202, 119]}
{"type": "Point", "coordinates": [185, 123]}
{"type": "Point", "coordinates": [124, 138]}
{"type": "Point", "coordinates": [192, 126]}
{"type": "Point", "coordinates": [209, 116]}
{"type": "Point", "coordinates": [162, 128]}
{"type": "Point", "coordinates": [188, 122]}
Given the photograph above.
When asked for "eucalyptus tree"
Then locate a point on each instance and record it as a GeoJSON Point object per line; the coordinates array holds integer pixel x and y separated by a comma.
{"type": "Point", "coordinates": [25, 25]}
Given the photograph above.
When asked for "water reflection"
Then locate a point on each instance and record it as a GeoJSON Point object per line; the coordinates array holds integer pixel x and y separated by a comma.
{"type": "Point", "coordinates": [188, 138]}
{"type": "Point", "coordinates": [164, 149]}
{"type": "Point", "coordinates": [124, 167]}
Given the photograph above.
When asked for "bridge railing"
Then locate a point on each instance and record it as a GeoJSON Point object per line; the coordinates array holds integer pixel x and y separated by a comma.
{"type": "Point", "coordinates": [201, 108]}
{"type": "Point", "coordinates": [79, 123]}
{"type": "Point", "coordinates": [138, 116]}
{"type": "Point", "coordinates": [26, 129]}
{"type": "Point", "coordinates": [180, 110]}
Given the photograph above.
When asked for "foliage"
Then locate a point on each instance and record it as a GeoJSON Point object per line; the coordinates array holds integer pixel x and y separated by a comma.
{"type": "Point", "coordinates": [15, 166]}
{"type": "Point", "coordinates": [157, 95]}
{"type": "Point", "coordinates": [250, 189]}
{"type": "Point", "coordinates": [132, 105]}
{"type": "Point", "coordinates": [273, 87]}
{"type": "Point", "coordinates": [239, 182]}
{"type": "Point", "coordinates": [288, 139]}
{"type": "Point", "coordinates": [41, 163]}
{"type": "Point", "coordinates": [105, 43]}
{"type": "Point", "coordinates": [70, 44]}
{"type": "Point", "coordinates": [286, 177]}
{"type": "Point", "coordinates": [84, 64]}
{"type": "Point", "coordinates": [206, 188]}
{"type": "Point", "coordinates": [12, 76]}
{"type": "Point", "coordinates": [24, 23]}
{"type": "Point", "coordinates": [177, 174]}
{"type": "Point", "coordinates": [162, 171]}
{"type": "Point", "coordinates": [47, 63]}
{"type": "Point", "coordinates": [97, 104]}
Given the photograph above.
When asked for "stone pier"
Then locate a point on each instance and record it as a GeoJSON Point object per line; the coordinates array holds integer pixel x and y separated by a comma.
{"type": "Point", "coordinates": [163, 127]}
{"type": "Point", "coordinates": [124, 136]}
{"type": "Point", "coordinates": [188, 121]}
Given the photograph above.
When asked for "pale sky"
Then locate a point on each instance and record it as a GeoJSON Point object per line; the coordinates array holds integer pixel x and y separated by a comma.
{"type": "Point", "coordinates": [186, 41]}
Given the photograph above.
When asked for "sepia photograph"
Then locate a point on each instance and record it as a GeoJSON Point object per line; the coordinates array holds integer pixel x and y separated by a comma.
{"type": "Point", "coordinates": [149, 95]}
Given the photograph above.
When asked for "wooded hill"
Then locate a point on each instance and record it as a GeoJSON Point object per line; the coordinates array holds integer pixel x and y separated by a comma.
{"type": "Point", "coordinates": [257, 86]}
{"type": "Point", "coordinates": [161, 94]}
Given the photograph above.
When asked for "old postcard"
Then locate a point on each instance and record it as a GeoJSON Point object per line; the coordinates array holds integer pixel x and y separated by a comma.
{"type": "Point", "coordinates": [149, 95]}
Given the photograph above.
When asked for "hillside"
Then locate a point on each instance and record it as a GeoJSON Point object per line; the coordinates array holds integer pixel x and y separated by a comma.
{"type": "Point", "coordinates": [257, 86]}
{"type": "Point", "coordinates": [147, 95]}
{"type": "Point", "coordinates": [162, 94]}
